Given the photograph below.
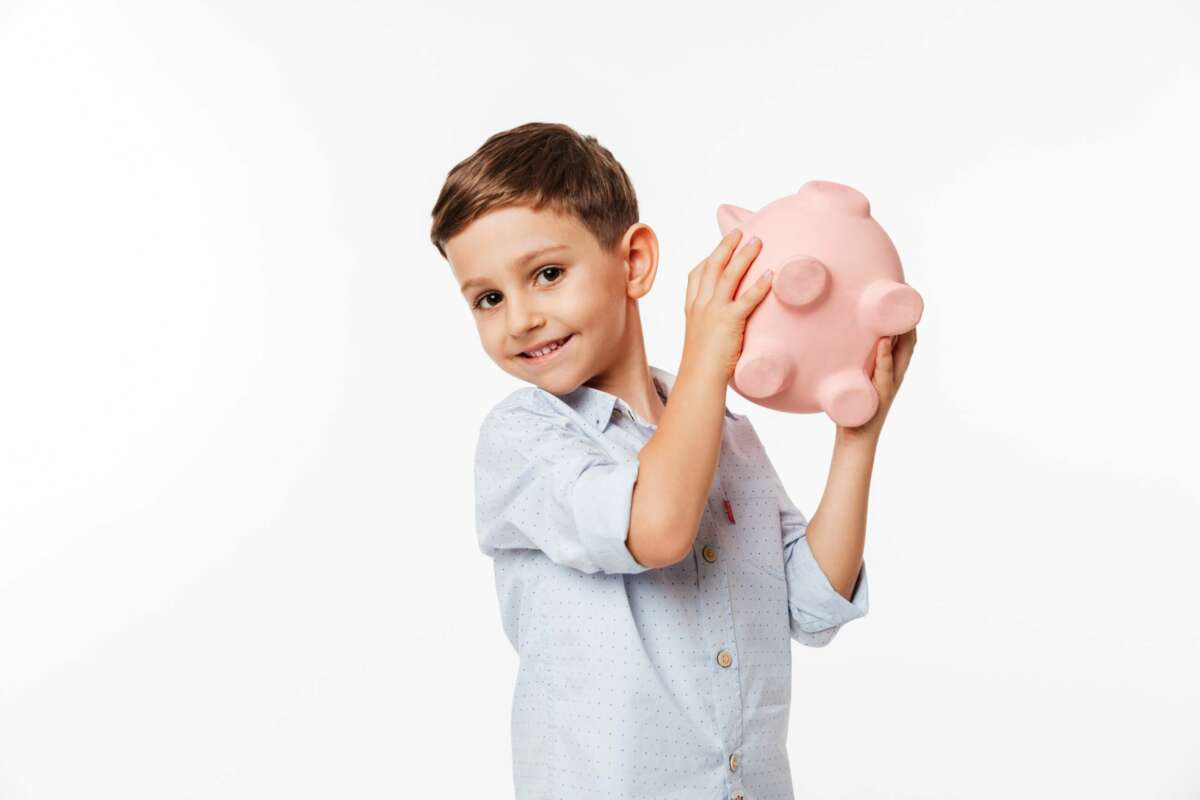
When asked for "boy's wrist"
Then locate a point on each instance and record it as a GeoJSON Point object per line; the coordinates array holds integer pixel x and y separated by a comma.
{"type": "Point", "coordinates": [700, 373]}
{"type": "Point", "coordinates": [866, 439]}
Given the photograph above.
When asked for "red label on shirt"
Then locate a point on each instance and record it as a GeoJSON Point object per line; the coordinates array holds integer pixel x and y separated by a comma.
{"type": "Point", "coordinates": [729, 512]}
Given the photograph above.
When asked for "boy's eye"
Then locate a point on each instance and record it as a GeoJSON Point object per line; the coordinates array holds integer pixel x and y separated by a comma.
{"type": "Point", "coordinates": [480, 304]}
{"type": "Point", "coordinates": [482, 297]}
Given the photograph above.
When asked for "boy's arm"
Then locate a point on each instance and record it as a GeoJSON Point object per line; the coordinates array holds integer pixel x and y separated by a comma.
{"type": "Point", "coordinates": [838, 528]}
{"type": "Point", "coordinates": [837, 531]}
{"type": "Point", "coordinates": [678, 463]}
{"type": "Point", "coordinates": [676, 468]}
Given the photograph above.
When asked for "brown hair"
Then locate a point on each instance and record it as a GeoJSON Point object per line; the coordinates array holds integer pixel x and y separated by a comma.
{"type": "Point", "coordinates": [538, 164]}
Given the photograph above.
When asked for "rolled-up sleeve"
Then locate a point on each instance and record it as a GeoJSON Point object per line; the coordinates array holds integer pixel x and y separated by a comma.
{"type": "Point", "coordinates": [542, 483]}
{"type": "Point", "coordinates": [817, 610]}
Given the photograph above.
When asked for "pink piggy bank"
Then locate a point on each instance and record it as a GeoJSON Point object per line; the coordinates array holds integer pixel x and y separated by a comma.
{"type": "Point", "coordinates": [837, 289]}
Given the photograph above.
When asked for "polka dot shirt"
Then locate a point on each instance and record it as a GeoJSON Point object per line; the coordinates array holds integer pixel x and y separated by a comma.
{"type": "Point", "coordinates": [670, 683]}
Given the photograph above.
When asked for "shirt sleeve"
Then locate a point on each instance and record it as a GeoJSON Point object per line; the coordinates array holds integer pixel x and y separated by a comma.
{"type": "Point", "coordinates": [542, 483]}
{"type": "Point", "coordinates": [817, 610]}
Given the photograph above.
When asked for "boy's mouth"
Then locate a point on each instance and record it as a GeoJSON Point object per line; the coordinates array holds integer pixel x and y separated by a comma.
{"type": "Point", "coordinates": [546, 353]}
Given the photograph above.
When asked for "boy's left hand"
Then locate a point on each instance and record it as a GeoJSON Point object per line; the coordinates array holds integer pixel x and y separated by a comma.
{"type": "Point", "coordinates": [892, 355]}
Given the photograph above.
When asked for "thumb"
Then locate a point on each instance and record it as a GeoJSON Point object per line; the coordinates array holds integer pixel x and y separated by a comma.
{"type": "Point", "coordinates": [883, 358]}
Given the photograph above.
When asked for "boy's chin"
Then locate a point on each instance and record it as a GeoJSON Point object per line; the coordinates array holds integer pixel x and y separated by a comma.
{"type": "Point", "coordinates": [560, 379]}
{"type": "Point", "coordinates": [554, 384]}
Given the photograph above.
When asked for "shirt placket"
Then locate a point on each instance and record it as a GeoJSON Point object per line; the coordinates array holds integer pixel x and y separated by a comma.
{"type": "Point", "coordinates": [715, 596]}
{"type": "Point", "coordinates": [716, 610]}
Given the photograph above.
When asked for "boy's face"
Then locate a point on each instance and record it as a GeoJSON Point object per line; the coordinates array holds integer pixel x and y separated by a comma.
{"type": "Point", "coordinates": [534, 277]}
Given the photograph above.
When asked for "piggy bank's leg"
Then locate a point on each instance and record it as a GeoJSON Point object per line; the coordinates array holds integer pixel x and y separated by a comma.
{"type": "Point", "coordinates": [801, 282]}
{"type": "Point", "coordinates": [848, 397]}
{"type": "Point", "coordinates": [890, 307]}
{"type": "Point", "coordinates": [763, 373]}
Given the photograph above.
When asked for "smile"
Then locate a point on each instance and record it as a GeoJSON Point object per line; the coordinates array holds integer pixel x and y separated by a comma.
{"type": "Point", "coordinates": [553, 354]}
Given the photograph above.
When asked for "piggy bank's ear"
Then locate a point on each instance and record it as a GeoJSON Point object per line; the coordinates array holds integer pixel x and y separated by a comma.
{"type": "Point", "coordinates": [730, 217]}
{"type": "Point", "coordinates": [827, 196]}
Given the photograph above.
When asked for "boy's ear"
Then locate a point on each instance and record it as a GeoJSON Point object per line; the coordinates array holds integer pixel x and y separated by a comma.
{"type": "Point", "coordinates": [641, 259]}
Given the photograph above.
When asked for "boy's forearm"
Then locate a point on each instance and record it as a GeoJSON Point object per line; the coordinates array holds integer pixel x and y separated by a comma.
{"type": "Point", "coordinates": [837, 531]}
{"type": "Point", "coordinates": [676, 468]}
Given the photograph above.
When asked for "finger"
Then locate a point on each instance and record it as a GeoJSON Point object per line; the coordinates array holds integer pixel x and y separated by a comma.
{"type": "Point", "coordinates": [715, 263]}
{"type": "Point", "coordinates": [883, 361]}
{"type": "Point", "coordinates": [692, 284]}
{"type": "Point", "coordinates": [748, 300]}
{"type": "Point", "coordinates": [731, 276]}
{"type": "Point", "coordinates": [881, 374]}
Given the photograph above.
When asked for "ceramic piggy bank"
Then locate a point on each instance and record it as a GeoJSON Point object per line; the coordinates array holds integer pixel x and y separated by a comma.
{"type": "Point", "coordinates": [837, 289]}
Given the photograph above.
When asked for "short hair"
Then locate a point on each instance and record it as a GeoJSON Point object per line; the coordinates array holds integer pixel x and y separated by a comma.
{"type": "Point", "coordinates": [538, 165]}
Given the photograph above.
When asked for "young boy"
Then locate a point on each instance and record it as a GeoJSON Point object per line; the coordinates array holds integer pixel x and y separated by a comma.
{"type": "Point", "coordinates": [651, 569]}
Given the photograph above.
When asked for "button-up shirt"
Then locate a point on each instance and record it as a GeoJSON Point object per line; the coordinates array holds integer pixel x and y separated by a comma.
{"type": "Point", "coordinates": [671, 683]}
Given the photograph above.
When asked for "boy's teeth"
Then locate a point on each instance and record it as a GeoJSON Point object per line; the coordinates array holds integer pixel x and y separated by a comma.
{"type": "Point", "coordinates": [549, 348]}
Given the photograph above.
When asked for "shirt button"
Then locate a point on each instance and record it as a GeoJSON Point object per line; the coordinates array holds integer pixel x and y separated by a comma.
{"type": "Point", "coordinates": [710, 555]}
{"type": "Point", "coordinates": [733, 763]}
{"type": "Point", "coordinates": [724, 658]}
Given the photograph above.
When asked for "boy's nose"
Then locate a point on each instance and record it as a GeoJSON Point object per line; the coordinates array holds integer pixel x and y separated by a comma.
{"type": "Point", "coordinates": [521, 320]}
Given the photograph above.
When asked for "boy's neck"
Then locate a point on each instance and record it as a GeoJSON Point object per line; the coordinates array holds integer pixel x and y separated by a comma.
{"type": "Point", "coordinates": [629, 378]}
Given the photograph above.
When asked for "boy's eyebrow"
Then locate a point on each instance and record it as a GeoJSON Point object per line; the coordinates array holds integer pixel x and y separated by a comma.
{"type": "Point", "coordinates": [530, 256]}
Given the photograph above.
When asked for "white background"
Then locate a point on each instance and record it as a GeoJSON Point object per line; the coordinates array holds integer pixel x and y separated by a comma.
{"type": "Point", "coordinates": [239, 392]}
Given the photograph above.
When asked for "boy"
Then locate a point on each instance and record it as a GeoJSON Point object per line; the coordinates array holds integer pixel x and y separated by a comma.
{"type": "Point", "coordinates": [650, 567]}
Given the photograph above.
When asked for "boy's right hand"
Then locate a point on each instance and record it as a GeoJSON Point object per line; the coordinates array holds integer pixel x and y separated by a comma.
{"type": "Point", "coordinates": [715, 321]}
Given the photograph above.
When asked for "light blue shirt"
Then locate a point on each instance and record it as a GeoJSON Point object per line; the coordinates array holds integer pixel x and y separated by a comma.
{"type": "Point", "coordinates": [655, 684]}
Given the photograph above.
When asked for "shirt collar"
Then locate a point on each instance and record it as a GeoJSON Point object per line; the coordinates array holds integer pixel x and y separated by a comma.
{"type": "Point", "coordinates": [596, 405]}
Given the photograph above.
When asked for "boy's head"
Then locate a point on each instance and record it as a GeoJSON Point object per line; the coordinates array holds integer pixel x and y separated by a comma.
{"type": "Point", "coordinates": [527, 190]}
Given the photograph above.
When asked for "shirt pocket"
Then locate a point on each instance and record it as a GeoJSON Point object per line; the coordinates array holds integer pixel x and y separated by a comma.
{"type": "Point", "coordinates": [755, 538]}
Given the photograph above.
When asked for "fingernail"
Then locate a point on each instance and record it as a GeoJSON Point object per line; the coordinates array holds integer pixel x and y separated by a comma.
{"type": "Point", "coordinates": [766, 276]}
{"type": "Point", "coordinates": [754, 240]}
